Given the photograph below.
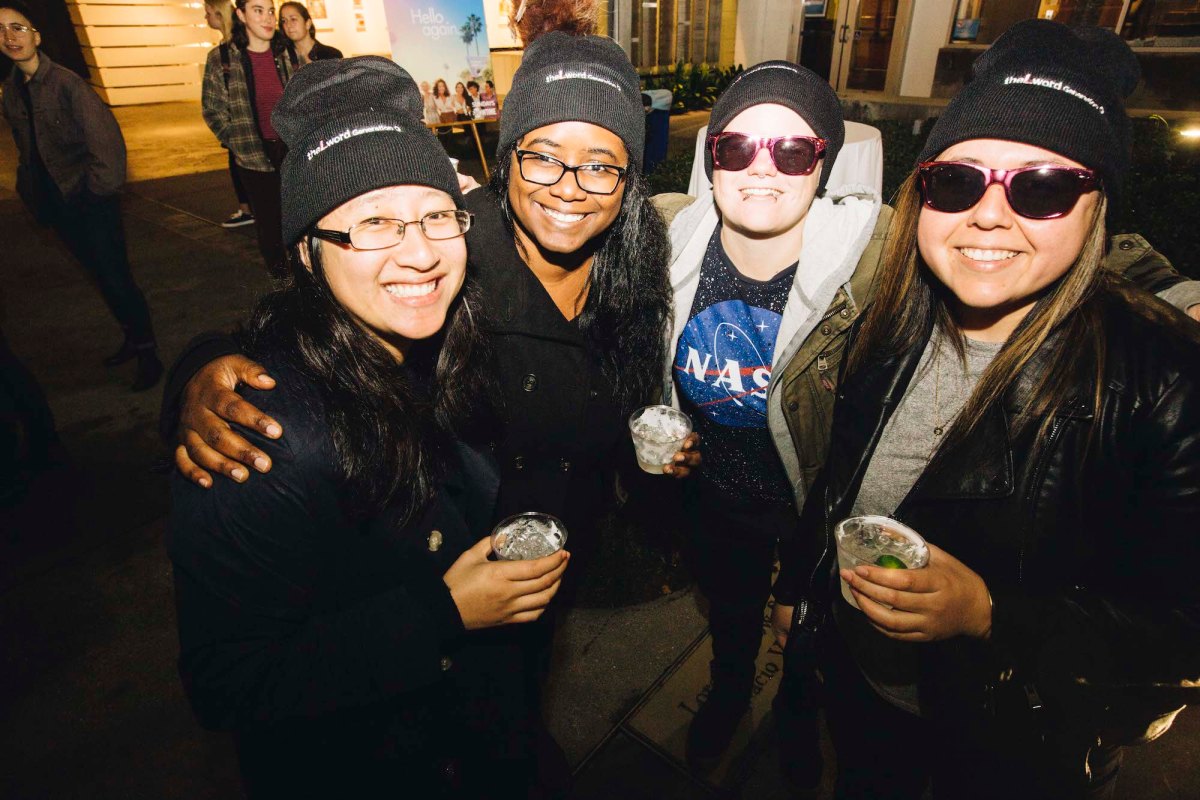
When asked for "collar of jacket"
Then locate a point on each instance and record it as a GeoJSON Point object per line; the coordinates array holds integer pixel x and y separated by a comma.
{"type": "Point", "coordinates": [514, 299]}
{"type": "Point", "coordinates": [45, 63]}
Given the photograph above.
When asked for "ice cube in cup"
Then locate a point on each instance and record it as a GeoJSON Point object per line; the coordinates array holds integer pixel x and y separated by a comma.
{"type": "Point", "coordinates": [868, 540]}
{"type": "Point", "coordinates": [658, 434]}
{"type": "Point", "coordinates": [527, 536]}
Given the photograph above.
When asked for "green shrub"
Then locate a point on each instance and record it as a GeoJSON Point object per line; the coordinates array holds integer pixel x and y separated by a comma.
{"type": "Point", "coordinates": [694, 87]}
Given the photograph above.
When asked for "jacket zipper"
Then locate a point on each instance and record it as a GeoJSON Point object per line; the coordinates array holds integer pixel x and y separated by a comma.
{"type": "Point", "coordinates": [1033, 489]}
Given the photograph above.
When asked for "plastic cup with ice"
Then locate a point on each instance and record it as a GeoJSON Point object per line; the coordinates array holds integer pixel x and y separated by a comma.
{"type": "Point", "coordinates": [658, 434]}
{"type": "Point", "coordinates": [527, 536]}
{"type": "Point", "coordinates": [877, 541]}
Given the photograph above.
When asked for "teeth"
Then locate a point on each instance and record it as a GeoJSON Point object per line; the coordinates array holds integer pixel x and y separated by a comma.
{"type": "Point", "coordinates": [410, 289]}
{"type": "Point", "coordinates": [987, 255]}
{"type": "Point", "coordinates": [560, 216]}
{"type": "Point", "coordinates": [761, 192]}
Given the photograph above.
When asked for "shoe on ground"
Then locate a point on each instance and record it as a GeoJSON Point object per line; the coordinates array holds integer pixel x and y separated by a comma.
{"type": "Point", "coordinates": [128, 352]}
{"type": "Point", "coordinates": [149, 370]}
{"type": "Point", "coordinates": [237, 219]}
{"type": "Point", "coordinates": [712, 730]}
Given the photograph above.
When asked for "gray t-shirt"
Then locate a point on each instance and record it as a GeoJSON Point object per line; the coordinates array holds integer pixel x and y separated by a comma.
{"type": "Point", "coordinates": [939, 389]}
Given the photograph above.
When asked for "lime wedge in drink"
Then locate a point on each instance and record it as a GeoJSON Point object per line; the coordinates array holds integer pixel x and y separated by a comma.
{"type": "Point", "coordinates": [890, 562]}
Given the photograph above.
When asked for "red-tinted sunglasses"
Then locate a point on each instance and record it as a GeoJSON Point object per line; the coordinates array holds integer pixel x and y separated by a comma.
{"type": "Point", "coordinates": [791, 155]}
{"type": "Point", "coordinates": [1042, 191]}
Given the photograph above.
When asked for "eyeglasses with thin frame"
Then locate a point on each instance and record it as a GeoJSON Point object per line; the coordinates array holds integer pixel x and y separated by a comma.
{"type": "Point", "coordinates": [791, 155]}
{"type": "Point", "coordinates": [1039, 191]}
{"type": "Point", "coordinates": [546, 170]}
{"type": "Point", "coordinates": [17, 28]}
{"type": "Point", "coordinates": [380, 233]}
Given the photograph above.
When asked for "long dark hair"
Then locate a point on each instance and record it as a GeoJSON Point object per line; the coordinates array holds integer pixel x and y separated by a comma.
{"type": "Point", "coordinates": [629, 290]}
{"type": "Point", "coordinates": [910, 301]}
{"type": "Point", "coordinates": [280, 44]}
{"type": "Point", "coordinates": [389, 436]}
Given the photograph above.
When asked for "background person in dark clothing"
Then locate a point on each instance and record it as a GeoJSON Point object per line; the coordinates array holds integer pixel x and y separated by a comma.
{"type": "Point", "coordinates": [298, 26]}
{"type": "Point", "coordinates": [72, 168]}
{"type": "Point", "coordinates": [331, 613]}
{"type": "Point", "coordinates": [218, 15]}
{"type": "Point", "coordinates": [242, 82]}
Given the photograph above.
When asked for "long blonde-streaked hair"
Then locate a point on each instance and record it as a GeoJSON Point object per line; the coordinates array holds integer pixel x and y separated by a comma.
{"type": "Point", "coordinates": [224, 11]}
{"type": "Point", "coordinates": [910, 300]}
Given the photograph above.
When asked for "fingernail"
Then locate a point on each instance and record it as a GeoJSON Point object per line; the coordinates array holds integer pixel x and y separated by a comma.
{"type": "Point", "coordinates": [262, 376]}
{"type": "Point", "coordinates": [240, 474]}
{"type": "Point", "coordinates": [206, 483]}
{"type": "Point", "coordinates": [260, 464]}
{"type": "Point", "coordinates": [274, 430]}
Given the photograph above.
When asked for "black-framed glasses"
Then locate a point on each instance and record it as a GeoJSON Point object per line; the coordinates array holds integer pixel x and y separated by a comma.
{"type": "Point", "coordinates": [791, 155]}
{"type": "Point", "coordinates": [381, 233]}
{"type": "Point", "coordinates": [546, 170]}
{"type": "Point", "coordinates": [1041, 191]}
{"type": "Point", "coordinates": [16, 28]}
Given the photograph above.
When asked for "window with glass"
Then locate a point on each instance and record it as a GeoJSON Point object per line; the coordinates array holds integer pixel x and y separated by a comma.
{"type": "Point", "coordinates": [1143, 23]}
{"type": "Point", "coordinates": [667, 31]}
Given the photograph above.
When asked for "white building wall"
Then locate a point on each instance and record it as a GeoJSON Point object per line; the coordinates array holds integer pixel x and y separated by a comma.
{"type": "Point", "coordinates": [931, 22]}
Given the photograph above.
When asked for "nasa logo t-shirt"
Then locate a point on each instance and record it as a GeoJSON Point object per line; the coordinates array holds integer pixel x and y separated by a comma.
{"type": "Point", "coordinates": [722, 370]}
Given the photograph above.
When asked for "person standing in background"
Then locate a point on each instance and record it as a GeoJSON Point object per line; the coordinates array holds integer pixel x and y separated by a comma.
{"type": "Point", "coordinates": [219, 16]}
{"type": "Point", "coordinates": [243, 80]}
{"type": "Point", "coordinates": [298, 26]}
{"type": "Point", "coordinates": [72, 168]}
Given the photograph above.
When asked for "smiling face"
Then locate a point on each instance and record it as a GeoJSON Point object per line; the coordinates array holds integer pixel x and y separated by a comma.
{"type": "Point", "coordinates": [995, 262]}
{"type": "Point", "coordinates": [295, 27]}
{"type": "Point", "coordinates": [563, 218]}
{"type": "Point", "coordinates": [760, 201]}
{"type": "Point", "coordinates": [259, 19]}
{"type": "Point", "coordinates": [20, 47]}
{"type": "Point", "coordinates": [400, 294]}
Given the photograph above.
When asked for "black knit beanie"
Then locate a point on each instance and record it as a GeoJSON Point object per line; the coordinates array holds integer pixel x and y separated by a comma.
{"type": "Point", "coordinates": [789, 85]}
{"type": "Point", "coordinates": [1050, 86]}
{"type": "Point", "coordinates": [565, 78]}
{"type": "Point", "coordinates": [353, 125]}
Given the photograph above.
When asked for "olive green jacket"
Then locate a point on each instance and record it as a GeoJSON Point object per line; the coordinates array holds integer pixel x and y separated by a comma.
{"type": "Point", "coordinates": [807, 382]}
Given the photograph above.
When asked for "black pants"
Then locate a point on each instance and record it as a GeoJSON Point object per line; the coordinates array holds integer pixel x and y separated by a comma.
{"type": "Point", "coordinates": [93, 231]}
{"type": "Point", "coordinates": [885, 753]}
{"type": "Point", "coordinates": [731, 556]}
{"type": "Point", "coordinates": [238, 189]}
{"type": "Point", "coordinates": [262, 192]}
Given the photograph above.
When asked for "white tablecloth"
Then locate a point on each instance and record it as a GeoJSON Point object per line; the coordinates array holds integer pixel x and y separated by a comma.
{"type": "Point", "coordinates": [859, 161]}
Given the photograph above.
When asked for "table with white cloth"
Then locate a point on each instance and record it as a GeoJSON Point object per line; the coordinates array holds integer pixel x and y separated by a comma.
{"type": "Point", "coordinates": [859, 161]}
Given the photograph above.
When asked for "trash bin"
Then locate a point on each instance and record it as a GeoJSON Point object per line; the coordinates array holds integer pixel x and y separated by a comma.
{"type": "Point", "coordinates": [658, 117]}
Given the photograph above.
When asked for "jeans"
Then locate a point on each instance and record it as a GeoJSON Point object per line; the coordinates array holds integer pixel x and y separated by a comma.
{"type": "Point", "coordinates": [263, 193]}
{"type": "Point", "coordinates": [732, 555]}
{"type": "Point", "coordinates": [93, 231]}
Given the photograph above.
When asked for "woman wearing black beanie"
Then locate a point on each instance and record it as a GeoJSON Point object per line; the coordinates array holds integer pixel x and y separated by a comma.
{"type": "Point", "coordinates": [332, 613]}
{"type": "Point", "coordinates": [1037, 421]}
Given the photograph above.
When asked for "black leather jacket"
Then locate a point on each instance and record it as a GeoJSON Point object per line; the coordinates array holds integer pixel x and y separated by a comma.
{"type": "Point", "coordinates": [1086, 537]}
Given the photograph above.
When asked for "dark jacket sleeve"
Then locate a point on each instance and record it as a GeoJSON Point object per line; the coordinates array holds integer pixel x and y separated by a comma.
{"type": "Point", "coordinates": [102, 135]}
{"type": "Point", "coordinates": [1136, 260]}
{"type": "Point", "coordinates": [196, 354]}
{"type": "Point", "coordinates": [1135, 644]}
{"type": "Point", "coordinates": [249, 563]}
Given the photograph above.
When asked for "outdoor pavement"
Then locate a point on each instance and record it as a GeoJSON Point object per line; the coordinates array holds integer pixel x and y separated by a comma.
{"type": "Point", "coordinates": [90, 704]}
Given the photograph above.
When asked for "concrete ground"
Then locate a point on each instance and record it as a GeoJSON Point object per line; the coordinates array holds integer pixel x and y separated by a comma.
{"type": "Point", "coordinates": [90, 704]}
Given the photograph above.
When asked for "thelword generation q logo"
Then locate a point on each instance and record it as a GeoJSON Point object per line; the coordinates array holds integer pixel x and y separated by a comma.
{"type": "Point", "coordinates": [325, 144]}
{"type": "Point", "coordinates": [1059, 86]}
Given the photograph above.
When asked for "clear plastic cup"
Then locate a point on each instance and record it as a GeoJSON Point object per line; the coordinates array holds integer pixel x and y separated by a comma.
{"type": "Point", "coordinates": [527, 536]}
{"type": "Point", "coordinates": [658, 434]}
{"type": "Point", "coordinates": [877, 541]}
